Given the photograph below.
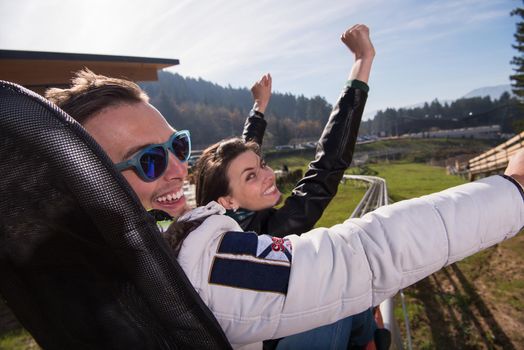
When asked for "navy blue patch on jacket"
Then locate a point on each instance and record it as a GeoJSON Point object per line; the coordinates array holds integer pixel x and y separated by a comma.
{"type": "Point", "coordinates": [251, 275]}
{"type": "Point", "coordinates": [239, 243]}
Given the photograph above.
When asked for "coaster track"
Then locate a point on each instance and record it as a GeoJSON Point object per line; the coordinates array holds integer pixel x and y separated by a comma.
{"type": "Point", "coordinates": [375, 197]}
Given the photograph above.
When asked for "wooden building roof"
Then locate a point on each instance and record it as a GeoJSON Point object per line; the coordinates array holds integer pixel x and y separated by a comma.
{"type": "Point", "coordinates": [39, 70]}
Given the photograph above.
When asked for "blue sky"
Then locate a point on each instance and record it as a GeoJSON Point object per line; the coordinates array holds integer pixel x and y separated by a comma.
{"type": "Point", "coordinates": [425, 49]}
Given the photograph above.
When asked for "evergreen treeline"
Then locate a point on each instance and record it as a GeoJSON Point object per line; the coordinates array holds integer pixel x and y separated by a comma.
{"type": "Point", "coordinates": [518, 60]}
{"type": "Point", "coordinates": [212, 112]}
{"type": "Point", "coordinates": [465, 112]}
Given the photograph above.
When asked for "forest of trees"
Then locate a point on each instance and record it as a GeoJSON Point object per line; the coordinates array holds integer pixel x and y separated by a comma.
{"type": "Point", "coordinates": [518, 61]}
{"type": "Point", "coordinates": [212, 112]}
{"type": "Point", "coordinates": [465, 112]}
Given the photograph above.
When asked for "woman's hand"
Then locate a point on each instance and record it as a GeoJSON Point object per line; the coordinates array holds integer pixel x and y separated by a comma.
{"type": "Point", "coordinates": [357, 40]}
{"type": "Point", "coordinates": [261, 92]}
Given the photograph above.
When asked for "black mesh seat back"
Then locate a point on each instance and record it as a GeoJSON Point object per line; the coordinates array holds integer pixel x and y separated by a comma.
{"type": "Point", "coordinates": [82, 264]}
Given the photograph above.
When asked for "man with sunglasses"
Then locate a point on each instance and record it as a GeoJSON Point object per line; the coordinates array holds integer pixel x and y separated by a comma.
{"type": "Point", "coordinates": [150, 153]}
{"type": "Point", "coordinates": [152, 157]}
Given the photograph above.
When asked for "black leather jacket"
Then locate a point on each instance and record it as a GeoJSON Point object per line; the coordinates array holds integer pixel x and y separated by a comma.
{"type": "Point", "coordinates": [304, 207]}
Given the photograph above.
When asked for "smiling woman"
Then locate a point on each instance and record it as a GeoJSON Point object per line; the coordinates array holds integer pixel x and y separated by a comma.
{"type": "Point", "coordinates": [251, 184]}
{"type": "Point", "coordinates": [227, 167]}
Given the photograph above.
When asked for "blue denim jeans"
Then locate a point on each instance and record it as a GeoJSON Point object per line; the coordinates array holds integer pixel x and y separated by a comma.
{"type": "Point", "coordinates": [359, 329]}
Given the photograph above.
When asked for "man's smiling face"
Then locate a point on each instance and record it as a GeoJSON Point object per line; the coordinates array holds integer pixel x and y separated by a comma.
{"type": "Point", "coordinates": [125, 129]}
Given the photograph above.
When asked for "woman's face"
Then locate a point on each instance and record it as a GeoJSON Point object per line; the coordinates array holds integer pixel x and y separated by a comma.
{"type": "Point", "coordinates": [252, 184]}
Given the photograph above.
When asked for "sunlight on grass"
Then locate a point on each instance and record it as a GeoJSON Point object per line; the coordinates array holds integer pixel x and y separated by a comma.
{"type": "Point", "coordinates": [341, 207]}
{"type": "Point", "coordinates": [17, 340]}
{"type": "Point", "coordinates": [409, 180]}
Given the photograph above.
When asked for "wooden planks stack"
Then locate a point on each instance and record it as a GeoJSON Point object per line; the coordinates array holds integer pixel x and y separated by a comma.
{"type": "Point", "coordinates": [496, 159]}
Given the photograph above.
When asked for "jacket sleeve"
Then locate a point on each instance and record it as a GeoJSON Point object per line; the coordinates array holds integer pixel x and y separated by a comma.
{"type": "Point", "coordinates": [254, 129]}
{"type": "Point", "coordinates": [351, 266]}
{"type": "Point", "coordinates": [319, 185]}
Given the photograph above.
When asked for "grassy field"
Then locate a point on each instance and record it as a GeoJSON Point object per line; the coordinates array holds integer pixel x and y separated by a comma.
{"type": "Point", "coordinates": [423, 150]}
{"type": "Point", "coordinates": [347, 199]}
{"type": "Point", "coordinates": [17, 340]}
{"type": "Point", "coordinates": [408, 180]}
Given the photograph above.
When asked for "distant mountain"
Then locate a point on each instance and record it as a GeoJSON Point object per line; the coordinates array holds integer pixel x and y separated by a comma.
{"type": "Point", "coordinates": [493, 92]}
{"type": "Point", "coordinates": [421, 104]}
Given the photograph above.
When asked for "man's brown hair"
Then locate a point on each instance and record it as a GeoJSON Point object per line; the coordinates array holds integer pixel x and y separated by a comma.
{"type": "Point", "coordinates": [91, 93]}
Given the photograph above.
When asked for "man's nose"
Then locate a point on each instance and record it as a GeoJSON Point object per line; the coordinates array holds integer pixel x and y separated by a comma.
{"type": "Point", "coordinates": [175, 168]}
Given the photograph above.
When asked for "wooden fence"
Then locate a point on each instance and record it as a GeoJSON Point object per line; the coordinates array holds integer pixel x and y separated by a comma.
{"type": "Point", "coordinates": [496, 159]}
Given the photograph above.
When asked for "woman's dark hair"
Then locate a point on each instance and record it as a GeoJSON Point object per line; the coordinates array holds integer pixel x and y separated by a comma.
{"type": "Point", "coordinates": [211, 183]}
{"type": "Point", "coordinates": [211, 168]}
{"type": "Point", "coordinates": [178, 231]}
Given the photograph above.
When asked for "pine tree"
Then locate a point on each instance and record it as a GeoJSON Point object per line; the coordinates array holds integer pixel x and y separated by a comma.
{"type": "Point", "coordinates": [518, 61]}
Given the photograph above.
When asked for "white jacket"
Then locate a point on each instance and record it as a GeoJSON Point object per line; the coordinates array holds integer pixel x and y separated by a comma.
{"type": "Point", "coordinates": [260, 287]}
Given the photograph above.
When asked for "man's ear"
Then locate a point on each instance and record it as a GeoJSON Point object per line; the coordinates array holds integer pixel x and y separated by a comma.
{"type": "Point", "coordinates": [227, 202]}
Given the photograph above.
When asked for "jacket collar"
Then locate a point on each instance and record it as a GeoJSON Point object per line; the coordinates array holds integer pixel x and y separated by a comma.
{"type": "Point", "coordinates": [212, 208]}
{"type": "Point", "coordinates": [240, 215]}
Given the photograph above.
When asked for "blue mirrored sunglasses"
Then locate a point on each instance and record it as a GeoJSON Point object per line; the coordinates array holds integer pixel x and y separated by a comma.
{"type": "Point", "coordinates": [151, 162]}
